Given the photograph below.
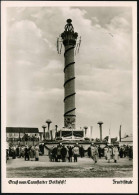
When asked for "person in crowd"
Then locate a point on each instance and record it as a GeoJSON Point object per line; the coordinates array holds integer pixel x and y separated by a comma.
{"type": "Point", "coordinates": [94, 152]}
{"type": "Point", "coordinates": [89, 151]}
{"type": "Point", "coordinates": [10, 150]}
{"type": "Point", "coordinates": [7, 152]}
{"type": "Point", "coordinates": [54, 154]}
{"type": "Point", "coordinates": [59, 152]}
{"type": "Point", "coordinates": [109, 153]}
{"type": "Point", "coordinates": [32, 153]}
{"type": "Point", "coordinates": [13, 152]}
{"type": "Point", "coordinates": [105, 152]}
{"type": "Point", "coordinates": [63, 153]}
{"type": "Point", "coordinates": [50, 153]}
{"type": "Point", "coordinates": [36, 153]}
{"type": "Point", "coordinates": [115, 154]}
{"type": "Point", "coordinates": [42, 149]}
{"type": "Point", "coordinates": [67, 156]}
{"type": "Point", "coordinates": [26, 153]}
{"type": "Point", "coordinates": [75, 151]}
{"type": "Point", "coordinates": [112, 155]}
{"type": "Point", "coordinates": [121, 152]}
{"type": "Point", "coordinates": [126, 151]}
{"type": "Point", "coordinates": [17, 151]}
{"type": "Point", "coordinates": [70, 153]}
{"type": "Point", "coordinates": [81, 150]}
{"type": "Point", "coordinates": [7, 155]}
{"type": "Point", "coordinates": [99, 151]}
{"type": "Point", "coordinates": [22, 154]}
{"type": "Point", "coordinates": [130, 152]}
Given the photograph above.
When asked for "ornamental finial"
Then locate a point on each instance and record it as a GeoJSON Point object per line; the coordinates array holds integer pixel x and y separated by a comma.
{"type": "Point", "coordinates": [69, 26]}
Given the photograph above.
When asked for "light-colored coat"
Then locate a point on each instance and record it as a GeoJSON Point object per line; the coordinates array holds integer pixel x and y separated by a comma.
{"type": "Point", "coordinates": [94, 153]}
{"type": "Point", "coordinates": [32, 152]}
{"type": "Point", "coordinates": [75, 150]}
{"type": "Point", "coordinates": [36, 152]}
{"type": "Point", "coordinates": [115, 153]}
{"type": "Point", "coordinates": [105, 152]}
{"type": "Point", "coordinates": [109, 153]}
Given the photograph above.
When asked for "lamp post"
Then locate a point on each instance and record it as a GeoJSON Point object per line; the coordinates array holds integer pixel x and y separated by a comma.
{"type": "Point", "coordinates": [48, 123]}
{"type": "Point", "coordinates": [85, 130]}
{"type": "Point", "coordinates": [44, 131]}
{"type": "Point", "coordinates": [100, 126]}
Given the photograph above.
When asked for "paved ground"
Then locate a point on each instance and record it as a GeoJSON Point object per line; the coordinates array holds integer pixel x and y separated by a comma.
{"type": "Point", "coordinates": [84, 168]}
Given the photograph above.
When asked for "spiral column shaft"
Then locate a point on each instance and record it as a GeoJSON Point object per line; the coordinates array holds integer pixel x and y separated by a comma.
{"type": "Point", "coordinates": [69, 88]}
{"type": "Point", "coordinates": [69, 38]}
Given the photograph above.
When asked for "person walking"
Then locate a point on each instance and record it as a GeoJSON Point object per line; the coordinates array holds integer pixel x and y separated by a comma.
{"type": "Point", "coordinates": [109, 152]}
{"type": "Point", "coordinates": [59, 152]}
{"type": "Point", "coordinates": [32, 153]}
{"type": "Point", "coordinates": [105, 152]}
{"type": "Point", "coordinates": [89, 151]}
{"type": "Point", "coordinates": [81, 150]}
{"type": "Point", "coordinates": [94, 152]}
{"type": "Point", "coordinates": [99, 151]}
{"type": "Point", "coordinates": [50, 153]}
{"type": "Point", "coordinates": [75, 151]}
{"type": "Point", "coordinates": [121, 152]}
{"type": "Point", "coordinates": [63, 153]}
{"type": "Point", "coordinates": [14, 152]}
{"type": "Point", "coordinates": [26, 153]}
{"type": "Point", "coordinates": [36, 153]}
{"type": "Point", "coordinates": [70, 154]}
{"type": "Point", "coordinates": [115, 154]}
{"type": "Point", "coordinates": [54, 154]}
{"type": "Point", "coordinates": [130, 152]}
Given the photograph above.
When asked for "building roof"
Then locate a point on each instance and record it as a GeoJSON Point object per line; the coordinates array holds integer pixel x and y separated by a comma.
{"type": "Point", "coordinates": [21, 130]}
{"type": "Point", "coordinates": [127, 139]}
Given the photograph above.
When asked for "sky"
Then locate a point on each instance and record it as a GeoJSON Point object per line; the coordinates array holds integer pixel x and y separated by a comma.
{"type": "Point", "coordinates": [103, 67]}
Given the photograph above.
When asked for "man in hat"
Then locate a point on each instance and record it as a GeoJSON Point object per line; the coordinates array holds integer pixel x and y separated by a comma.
{"type": "Point", "coordinates": [75, 151]}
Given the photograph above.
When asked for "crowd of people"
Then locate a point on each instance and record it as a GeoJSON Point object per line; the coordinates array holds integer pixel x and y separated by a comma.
{"type": "Point", "coordinates": [113, 152]}
{"type": "Point", "coordinates": [61, 152]}
{"type": "Point", "coordinates": [71, 153]}
{"type": "Point", "coordinates": [110, 152]}
{"type": "Point", "coordinates": [26, 152]}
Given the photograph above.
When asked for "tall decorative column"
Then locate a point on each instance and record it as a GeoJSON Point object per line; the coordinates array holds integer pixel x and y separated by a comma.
{"type": "Point", "coordinates": [69, 38]}
{"type": "Point", "coordinates": [100, 127]}
{"type": "Point", "coordinates": [49, 132]}
{"type": "Point", "coordinates": [44, 134]}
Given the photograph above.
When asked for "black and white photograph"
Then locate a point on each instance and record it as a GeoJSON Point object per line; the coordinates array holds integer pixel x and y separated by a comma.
{"type": "Point", "coordinates": [69, 103]}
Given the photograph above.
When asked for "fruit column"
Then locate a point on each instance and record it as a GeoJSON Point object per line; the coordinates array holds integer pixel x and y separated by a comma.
{"type": "Point", "coordinates": [69, 38]}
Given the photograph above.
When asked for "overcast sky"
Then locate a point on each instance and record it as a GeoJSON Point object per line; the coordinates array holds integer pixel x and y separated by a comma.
{"type": "Point", "coordinates": [103, 67]}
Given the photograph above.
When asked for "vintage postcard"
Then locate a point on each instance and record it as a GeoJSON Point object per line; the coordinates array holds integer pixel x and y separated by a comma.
{"type": "Point", "coordinates": [69, 97]}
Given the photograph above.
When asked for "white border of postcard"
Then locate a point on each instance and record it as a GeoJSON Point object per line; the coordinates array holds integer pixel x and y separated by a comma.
{"type": "Point", "coordinates": [74, 185]}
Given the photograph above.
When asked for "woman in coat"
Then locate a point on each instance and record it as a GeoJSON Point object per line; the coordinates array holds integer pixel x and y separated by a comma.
{"type": "Point", "coordinates": [32, 153]}
{"type": "Point", "coordinates": [108, 154]}
{"type": "Point", "coordinates": [36, 153]}
{"type": "Point", "coordinates": [105, 152]}
{"type": "Point", "coordinates": [94, 153]}
{"type": "Point", "coordinates": [75, 151]}
{"type": "Point", "coordinates": [115, 154]}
